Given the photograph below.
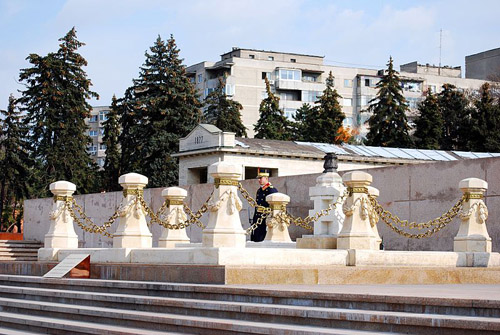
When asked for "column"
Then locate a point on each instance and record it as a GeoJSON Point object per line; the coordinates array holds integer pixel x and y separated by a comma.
{"type": "Point", "coordinates": [174, 215]}
{"type": "Point", "coordinates": [132, 230]}
{"type": "Point", "coordinates": [224, 227]}
{"type": "Point", "coordinates": [472, 235]}
{"type": "Point", "coordinates": [356, 232]}
{"type": "Point", "coordinates": [277, 230]}
{"type": "Point", "coordinates": [61, 232]}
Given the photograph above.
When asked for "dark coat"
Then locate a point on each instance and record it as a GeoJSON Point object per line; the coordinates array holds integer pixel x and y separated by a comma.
{"type": "Point", "coordinates": [259, 234]}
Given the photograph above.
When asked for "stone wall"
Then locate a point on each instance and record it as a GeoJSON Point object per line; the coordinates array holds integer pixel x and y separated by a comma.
{"type": "Point", "coordinates": [414, 192]}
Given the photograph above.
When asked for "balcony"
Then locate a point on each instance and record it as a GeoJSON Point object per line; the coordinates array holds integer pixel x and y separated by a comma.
{"type": "Point", "coordinates": [298, 85]}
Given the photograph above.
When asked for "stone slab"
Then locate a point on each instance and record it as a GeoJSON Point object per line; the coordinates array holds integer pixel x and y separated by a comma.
{"type": "Point", "coordinates": [99, 255]}
{"type": "Point", "coordinates": [317, 242]}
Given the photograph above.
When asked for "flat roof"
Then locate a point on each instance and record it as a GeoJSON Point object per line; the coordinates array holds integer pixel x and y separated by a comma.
{"type": "Point", "coordinates": [274, 52]}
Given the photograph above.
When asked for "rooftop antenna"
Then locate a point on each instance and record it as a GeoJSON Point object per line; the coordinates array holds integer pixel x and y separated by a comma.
{"type": "Point", "coordinates": [440, 47]}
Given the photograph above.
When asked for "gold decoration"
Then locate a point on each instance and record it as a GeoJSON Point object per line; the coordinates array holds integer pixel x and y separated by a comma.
{"type": "Point", "coordinates": [225, 182]}
{"type": "Point", "coordinates": [62, 198]}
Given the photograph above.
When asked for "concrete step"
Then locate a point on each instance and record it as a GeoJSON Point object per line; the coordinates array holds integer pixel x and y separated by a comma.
{"type": "Point", "coordinates": [11, 331]}
{"type": "Point", "coordinates": [411, 323]}
{"type": "Point", "coordinates": [18, 258]}
{"type": "Point", "coordinates": [149, 321]}
{"type": "Point", "coordinates": [30, 324]}
{"type": "Point", "coordinates": [429, 305]}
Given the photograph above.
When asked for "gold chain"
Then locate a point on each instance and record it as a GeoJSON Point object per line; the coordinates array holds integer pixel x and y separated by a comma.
{"type": "Point", "coordinates": [432, 226]}
{"type": "Point", "coordinates": [87, 224]}
{"type": "Point", "coordinates": [308, 220]}
{"type": "Point", "coordinates": [265, 211]}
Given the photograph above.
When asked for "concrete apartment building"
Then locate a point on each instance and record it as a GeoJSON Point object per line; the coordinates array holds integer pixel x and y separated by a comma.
{"type": "Point", "coordinates": [483, 65]}
{"type": "Point", "coordinates": [299, 79]}
{"type": "Point", "coordinates": [97, 149]}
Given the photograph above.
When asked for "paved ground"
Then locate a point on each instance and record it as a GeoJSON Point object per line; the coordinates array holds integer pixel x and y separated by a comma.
{"type": "Point", "coordinates": [460, 291]}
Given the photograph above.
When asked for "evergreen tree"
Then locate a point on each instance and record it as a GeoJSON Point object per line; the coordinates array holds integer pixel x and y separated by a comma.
{"type": "Point", "coordinates": [224, 113]}
{"type": "Point", "coordinates": [272, 123]}
{"type": "Point", "coordinates": [15, 166]}
{"type": "Point", "coordinates": [485, 122]}
{"type": "Point", "coordinates": [456, 118]}
{"type": "Point", "coordinates": [160, 108]}
{"type": "Point", "coordinates": [429, 124]}
{"type": "Point", "coordinates": [305, 122]}
{"type": "Point", "coordinates": [111, 171]}
{"type": "Point", "coordinates": [330, 115]}
{"type": "Point", "coordinates": [55, 104]}
{"type": "Point", "coordinates": [388, 123]}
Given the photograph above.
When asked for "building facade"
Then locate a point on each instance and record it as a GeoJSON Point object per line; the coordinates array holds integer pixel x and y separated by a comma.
{"type": "Point", "coordinates": [97, 149]}
{"type": "Point", "coordinates": [297, 79]}
{"type": "Point", "coordinates": [483, 65]}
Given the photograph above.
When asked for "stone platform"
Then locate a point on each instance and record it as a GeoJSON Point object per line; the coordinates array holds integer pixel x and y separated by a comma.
{"type": "Point", "coordinates": [271, 275]}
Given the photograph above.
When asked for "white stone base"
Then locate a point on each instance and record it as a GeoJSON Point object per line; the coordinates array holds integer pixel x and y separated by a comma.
{"type": "Point", "coordinates": [317, 242]}
{"type": "Point", "coordinates": [171, 243]}
{"type": "Point", "coordinates": [277, 256]}
{"type": "Point", "coordinates": [473, 243]}
{"type": "Point", "coordinates": [270, 244]}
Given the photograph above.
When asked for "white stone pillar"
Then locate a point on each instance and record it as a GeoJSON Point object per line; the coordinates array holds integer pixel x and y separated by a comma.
{"type": "Point", "coordinates": [61, 232]}
{"type": "Point", "coordinates": [374, 218]}
{"type": "Point", "coordinates": [174, 215]}
{"type": "Point", "coordinates": [224, 227]}
{"type": "Point", "coordinates": [328, 189]}
{"type": "Point", "coordinates": [472, 235]}
{"type": "Point", "coordinates": [356, 232]}
{"type": "Point", "coordinates": [132, 230]}
{"type": "Point", "coordinates": [277, 231]}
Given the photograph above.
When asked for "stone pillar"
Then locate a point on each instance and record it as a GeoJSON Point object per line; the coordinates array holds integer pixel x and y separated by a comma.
{"type": "Point", "coordinates": [61, 232]}
{"type": "Point", "coordinates": [374, 192]}
{"type": "Point", "coordinates": [174, 215]}
{"type": "Point", "coordinates": [224, 227]}
{"type": "Point", "coordinates": [357, 232]}
{"type": "Point", "coordinates": [472, 235]}
{"type": "Point", "coordinates": [328, 189]}
{"type": "Point", "coordinates": [277, 231]}
{"type": "Point", "coordinates": [132, 230]}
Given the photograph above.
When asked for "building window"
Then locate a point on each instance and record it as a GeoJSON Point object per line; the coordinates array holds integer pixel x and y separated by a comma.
{"type": "Point", "coordinates": [310, 96]}
{"type": "Point", "coordinates": [290, 74]}
{"type": "Point", "coordinates": [100, 162]}
{"type": "Point", "coordinates": [289, 96]}
{"type": "Point", "coordinates": [293, 60]}
{"type": "Point", "coordinates": [200, 78]}
{"type": "Point", "coordinates": [270, 58]}
{"type": "Point", "coordinates": [413, 102]}
{"type": "Point", "coordinates": [411, 86]}
{"type": "Point", "coordinates": [347, 102]}
{"type": "Point", "coordinates": [93, 133]}
{"type": "Point", "coordinates": [229, 89]}
{"type": "Point", "coordinates": [102, 146]}
{"type": "Point", "coordinates": [251, 56]}
{"type": "Point", "coordinates": [309, 77]}
{"type": "Point", "coordinates": [267, 75]}
{"type": "Point", "coordinates": [432, 88]}
{"type": "Point", "coordinates": [103, 115]}
{"type": "Point", "coordinates": [347, 83]}
{"type": "Point", "coordinates": [192, 80]}
{"type": "Point", "coordinates": [93, 118]}
{"type": "Point", "coordinates": [365, 100]}
{"type": "Point", "coordinates": [101, 131]}
{"type": "Point", "coordinates": [347, 122]}
{"type": "Point", "coordinates": [289, 113]}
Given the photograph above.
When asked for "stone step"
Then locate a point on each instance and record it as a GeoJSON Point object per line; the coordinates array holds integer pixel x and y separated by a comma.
{"type": "Point", "coordinates": [46, 325]}
{"type": "Point", "coordinates": [20, 242]}
{"type": "Point", "coordinates": [18, 248]}
{"type": "Point", "coordinates": [11, 331]}
{"type": "Point", "coordinates": [17, 258]}
{"type": "Point", "coordinates": [148, 321]}
{"type": "Point", "coordinates": [446, 306]}
{"type": "Point", "coordinates": [272, 313]}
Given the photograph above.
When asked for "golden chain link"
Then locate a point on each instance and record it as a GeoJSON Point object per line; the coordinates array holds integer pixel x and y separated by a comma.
{"type": "Point", "coordinates": [265, 211]}
{"type": "Point", "coordinates": [308, 220]}
{"type": "Point", "coordinates": [432, 226]}
{"type": "Point", "coordinates": [87, 224]}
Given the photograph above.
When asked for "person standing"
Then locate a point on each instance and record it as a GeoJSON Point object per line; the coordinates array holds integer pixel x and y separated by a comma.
{"type": "Point", "coordinates": [264, 190]}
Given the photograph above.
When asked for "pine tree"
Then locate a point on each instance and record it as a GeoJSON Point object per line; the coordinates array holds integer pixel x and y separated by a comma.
{"type": "Point", "coordinates": [388, 123]}
{"type": "Point", "coordinates": [456, 117]}
{"type": "Point", "coordinates": [330, 115]}
{"type": "Point", "coordinates": [485, 122]}
{"type": "Point", "coordinates": [429, 123]}
{"type": "Point", "coordinates": [15, 165]}
{"type": "Point", "coordinates": [161, 107]}
{"type": "Point", "coordinates": [222, 112]}
{"type": "Point", "coordinates": [111, 171]}
{"type": "Point", "coordinates": [55, 104]}
{"type": "Point", "coordinates": [272, 123]}
{"type": "Point", "coordinates": [305, 122]}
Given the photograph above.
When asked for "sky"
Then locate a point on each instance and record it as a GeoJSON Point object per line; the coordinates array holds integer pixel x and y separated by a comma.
{"type": "Point", "coordinates": [361, 33]}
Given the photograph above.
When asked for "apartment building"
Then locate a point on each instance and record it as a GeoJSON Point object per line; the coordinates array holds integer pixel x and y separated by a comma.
{"type": "Point", "coordinates": [97, 149]}
{"type": "Point", "coordinates": [297, 79]}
